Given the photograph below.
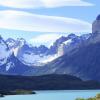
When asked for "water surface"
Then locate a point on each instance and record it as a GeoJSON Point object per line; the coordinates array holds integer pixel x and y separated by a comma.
{"type": "Point", "coordinates": [55, 95]}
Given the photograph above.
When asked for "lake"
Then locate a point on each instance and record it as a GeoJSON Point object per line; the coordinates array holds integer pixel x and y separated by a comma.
{"type": "Point", "coordinates": [55, 95]}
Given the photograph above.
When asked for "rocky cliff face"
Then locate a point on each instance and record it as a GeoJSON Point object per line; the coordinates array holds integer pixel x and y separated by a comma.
{"type": "Point", "coordinates": [96, 25]}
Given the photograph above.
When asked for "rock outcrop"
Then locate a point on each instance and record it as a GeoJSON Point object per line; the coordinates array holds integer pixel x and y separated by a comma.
{"type": "Point", "coordinates": [96, 25]}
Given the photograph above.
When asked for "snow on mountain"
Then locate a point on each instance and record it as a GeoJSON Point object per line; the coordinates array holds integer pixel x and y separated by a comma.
{"type": "Point", "coordinates": [10, 42]}
{"type": "Point", "coordinates": [4, 51]}
{"type": "Point", "coordinates": [85, 36]}
{"type": "Point", "coordinates": [49, 58]}
{"type": "Point", "coordinates": [14, 45]}
{"type": "Point", "coordinates": [9, 65]}
{"type": "Point", "coordinates": [37, 60]}
{"type": "Point", "coordinates": [83, 62]}
{"type": "Point", "coordinates": [31, 55]}
{"type": "Point", "coordinates": [19, 57]}
{"type": "Point", "coordinates": [37, 56]}
{"type": "Point", "coordinates": [68, 42]}
{"type": "Point", "coordinates": [26, 53]}
{"type": "Point", "coordinates": [41, 55]}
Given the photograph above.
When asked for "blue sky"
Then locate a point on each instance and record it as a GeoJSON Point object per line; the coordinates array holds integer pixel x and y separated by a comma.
{"type": "Point", "coordinates": [33, 19]}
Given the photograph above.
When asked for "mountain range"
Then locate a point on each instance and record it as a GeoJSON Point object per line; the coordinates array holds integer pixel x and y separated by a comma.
{"type": "Point", "coordinates": [45, 82]}
{"type": "Point", "coordinates": [19, 57]}
{"type": "Point", "coordinates": [69, 55]}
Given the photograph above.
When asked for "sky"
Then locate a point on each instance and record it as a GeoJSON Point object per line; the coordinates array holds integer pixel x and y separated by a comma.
{"type": "Point", "coordinates": [43, 21]}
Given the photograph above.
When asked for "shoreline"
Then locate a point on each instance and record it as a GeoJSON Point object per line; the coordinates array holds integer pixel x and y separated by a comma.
{"type": "Point", "coordinates": [16, 92]}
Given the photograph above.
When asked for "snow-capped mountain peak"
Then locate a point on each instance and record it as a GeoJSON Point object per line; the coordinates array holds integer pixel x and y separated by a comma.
{"type": "Point", "coordinates": [72, 36]}
{"type": "Point", "coordinates": [4, 51]}
{"type": "Point", "coordinates": [36, 56]}
{"type": "Point", "coordinates": [68, 42]}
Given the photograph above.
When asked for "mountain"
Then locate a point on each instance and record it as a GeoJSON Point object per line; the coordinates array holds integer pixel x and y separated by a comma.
{"type": "Point", "coordinates": [23, 51]}
{"type": "Point", "coordinates": [45, 82]}
{"type": "Point", "coordinates": [31, 55]}
{"type": "Point", "coordinates": [4, 52]}
{"type": "Point", "coordinates": [66, 44]}
{"type": "Point", "coordinates": [10, 42]}
{"type": "Point", "coordinates": [61, 41]}
{"type": "Point", "coordinates": [68, 64]}
{"type": "Point", "coordinates": [82, 62]}
{"type": "Point", "coordinates": [20, 58]}
{"type": "Point", "coordinates": [77, 61]}
{"type": "Point", "coordinates": [13, 66]}
{"type": "Point", "coordinates": [39, 56]}
{"type": "Point", "coordinates": [96, 25]}
{"type": "Point", "coordinates": [9, 63]}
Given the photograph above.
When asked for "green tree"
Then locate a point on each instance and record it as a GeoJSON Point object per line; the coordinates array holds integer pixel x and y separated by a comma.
{"type": "Point", "coordinates": [98, 96]}
{"type": "Point", "coordinates": [91, 99]}
{"type": "Point", "coordinates": [80, 99]}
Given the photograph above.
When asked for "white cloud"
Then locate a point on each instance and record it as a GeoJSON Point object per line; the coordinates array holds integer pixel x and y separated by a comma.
{"type": "Point", "coordinates": [18, 20]}
{"type": "Point", "coordinates": [43, 3]}
{"type": "Point", "coordinates": [45, 39]}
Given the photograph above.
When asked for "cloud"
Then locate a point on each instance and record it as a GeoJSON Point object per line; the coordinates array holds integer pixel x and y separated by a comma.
{"type": "Point", "coordinates": [45, 39]}
{"type": "Point", "coordinates": [18, 20]}
{"type": "Point", "coordinates": [43, 3]}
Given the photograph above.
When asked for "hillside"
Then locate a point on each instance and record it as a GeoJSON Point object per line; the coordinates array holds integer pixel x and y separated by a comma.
{"type": "Point", "coordinates": [83, 62]}
{"type": "Point", "coordinates": [46, 82]}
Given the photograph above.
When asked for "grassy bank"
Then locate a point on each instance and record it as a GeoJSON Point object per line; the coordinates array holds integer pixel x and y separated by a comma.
{"type": "Point", "coordinates": [16, 92]}
{"type": "Point", "coordinates": [97, 97]}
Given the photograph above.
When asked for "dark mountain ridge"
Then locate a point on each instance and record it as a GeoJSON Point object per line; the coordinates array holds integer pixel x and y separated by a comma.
{"type": "Point", "coordinates": [46, 82]}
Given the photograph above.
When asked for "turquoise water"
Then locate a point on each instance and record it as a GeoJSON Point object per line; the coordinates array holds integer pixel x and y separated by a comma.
{"type": "Point", "coordinates": [55, 95]}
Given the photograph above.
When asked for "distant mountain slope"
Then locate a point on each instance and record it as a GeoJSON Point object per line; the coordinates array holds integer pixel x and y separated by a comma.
{"type": "Point", "coordinates": [46, 82]}
{"type": "Point", "coordinates": [81, 58]}
{"type": "Point", "coordinates": [83, 62]}
{"type": "Point", "coordinates": [14, 67]}
{"type": "Point", "coordinates": [17, 55]}
{"type": "Point", "coordinates": [4, 52]}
